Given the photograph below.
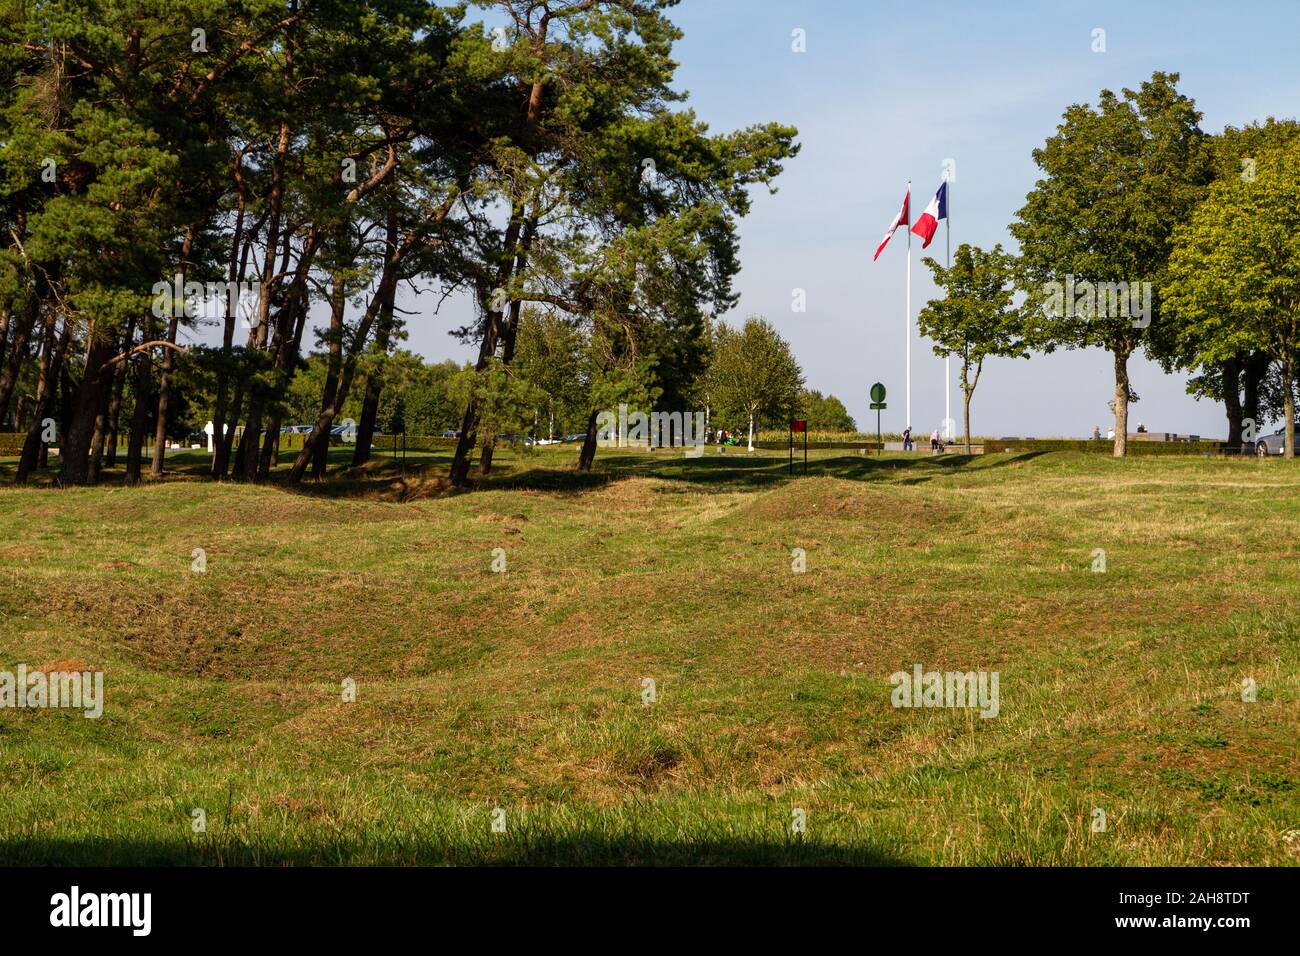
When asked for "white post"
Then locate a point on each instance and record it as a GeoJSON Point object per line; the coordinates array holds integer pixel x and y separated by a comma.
{"type": "Point", "coordinates": [907, 323]}
{"type": "Point", "coordinates": [948, 424]}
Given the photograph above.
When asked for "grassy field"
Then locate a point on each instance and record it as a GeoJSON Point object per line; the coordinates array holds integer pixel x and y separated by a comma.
{"type": "Point", "coordinates": [523, 689]}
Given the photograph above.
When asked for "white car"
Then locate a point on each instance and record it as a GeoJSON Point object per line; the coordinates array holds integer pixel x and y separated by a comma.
{"type": "Point", "coordinates": [1274, 444]}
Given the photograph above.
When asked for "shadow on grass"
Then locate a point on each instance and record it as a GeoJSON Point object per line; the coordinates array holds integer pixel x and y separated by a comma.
{"type": "Point", "coordinates": [424, 475]}
{"type": "Point", "coordinates": [595, 849]}
{"type": "Point", "coordinates": [744, 473]}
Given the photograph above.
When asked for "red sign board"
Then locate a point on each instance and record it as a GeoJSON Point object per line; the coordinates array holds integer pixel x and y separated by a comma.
{"type": "Point", "coordinates": [798, 425]}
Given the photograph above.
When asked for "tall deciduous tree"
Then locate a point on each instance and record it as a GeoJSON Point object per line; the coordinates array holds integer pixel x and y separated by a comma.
{"type": "Point", "coordinates": [1235, 271]}
{"type": "Point", "coordinates": [825, 412]}
{"type": "Point", "coordinates": [975, 319]}
{"type": "Point", "coordinates": [549, 355]}
{"type": "Point", "coordinates": [1117, 179]}
{"type": "Point", "coordinates": [1241, 381]}
{"type": "Point", "coordinates": [754, 373]}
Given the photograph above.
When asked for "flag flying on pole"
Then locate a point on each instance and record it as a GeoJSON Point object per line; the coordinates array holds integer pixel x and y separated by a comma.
{"type": "Point", "coordinates": [900, 220]}
{"type": "Point", "coordinates": [928, 224]}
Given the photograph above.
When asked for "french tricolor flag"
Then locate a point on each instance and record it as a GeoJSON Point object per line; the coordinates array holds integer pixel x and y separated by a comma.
{"type": "Point", "coordinates": [928, 223]}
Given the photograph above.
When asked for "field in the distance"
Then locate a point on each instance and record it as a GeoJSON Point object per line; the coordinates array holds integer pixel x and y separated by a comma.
{"type": "Point", "coordinates": [523, 690]}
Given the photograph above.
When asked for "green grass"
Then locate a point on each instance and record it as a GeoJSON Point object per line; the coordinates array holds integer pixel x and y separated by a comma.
{"type": "Point", "coordinates": [522, 690]}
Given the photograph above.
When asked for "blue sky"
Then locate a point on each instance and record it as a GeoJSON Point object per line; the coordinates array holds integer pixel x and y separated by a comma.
{"type": "Point", "coordinates": [885, 92]}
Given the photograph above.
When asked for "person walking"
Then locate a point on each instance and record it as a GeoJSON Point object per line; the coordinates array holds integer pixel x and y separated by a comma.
{"type": "Point", "coordinates": [907, 438]}
{"type": "Point", "coordinates": [934, 440]}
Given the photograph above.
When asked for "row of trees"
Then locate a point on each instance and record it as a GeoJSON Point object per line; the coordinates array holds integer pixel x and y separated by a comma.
{"type": "Point", "coordinates": [1156, 237]}
{"type": "Point", "coordinates": [545, 398]}
{"type": "Point", "coordinates": [267, 159]}
{"type": "Point", "coordinates": [749, 378]}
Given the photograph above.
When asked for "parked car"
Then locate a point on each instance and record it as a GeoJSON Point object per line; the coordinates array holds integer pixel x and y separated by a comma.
{"type": "Point", "coordinates": [337, 432]}
{"type": "Point", "coordinates": [451, 433]}
{"type": "Point", "coordinates": [580, 436]}
{"type": "Point", "coordinates": [1273, 444]}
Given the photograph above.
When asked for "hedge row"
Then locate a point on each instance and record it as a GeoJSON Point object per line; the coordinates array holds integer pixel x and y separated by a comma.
{"type": "Point", "coordinates": [414, 443]}
{"type": "Point", "coordinates": [1102, 447]}
{"type": "Point", "coordinates": [784, 445]}
{"type": "Point", "coordinates": [780, 435]}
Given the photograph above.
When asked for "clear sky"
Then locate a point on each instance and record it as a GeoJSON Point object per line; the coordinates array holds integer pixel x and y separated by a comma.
{"type": "Point", "coordinates": [885, 92]}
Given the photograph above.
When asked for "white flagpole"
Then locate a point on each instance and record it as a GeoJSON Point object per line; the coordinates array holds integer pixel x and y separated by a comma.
{"type": "Point", "coordinates": [907, 323]}
{"type": "Point", "coordinates": [947, 359]}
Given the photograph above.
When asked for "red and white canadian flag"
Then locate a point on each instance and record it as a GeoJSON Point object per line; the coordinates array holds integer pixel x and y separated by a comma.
{"type": "Point", "coordinates": [900, 220]}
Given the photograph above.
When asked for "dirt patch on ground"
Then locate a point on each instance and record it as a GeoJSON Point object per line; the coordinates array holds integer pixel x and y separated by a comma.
{"type": "Point", "coordinates": [65, 664]}
{"type": "Point", "coordinates": [383, 481]}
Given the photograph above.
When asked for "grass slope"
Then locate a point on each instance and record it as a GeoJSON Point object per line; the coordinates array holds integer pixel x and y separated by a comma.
{"type": "Point", "coordinates": [523, 689]}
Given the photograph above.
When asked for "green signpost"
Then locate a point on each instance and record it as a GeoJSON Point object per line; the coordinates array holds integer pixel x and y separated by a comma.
{"type": "Point", "coordinates": [878, 403]}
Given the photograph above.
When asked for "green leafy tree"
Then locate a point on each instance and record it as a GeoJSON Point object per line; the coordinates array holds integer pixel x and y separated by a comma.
{"type": "Point", "coordinates": [1117, 179]}
{"type": "Point", "coordinates": [975, 319]}
{"type": "Point", "coordinates": [825, 412]}
{"type": "Point", "coordinates": [1235, 271]}
{"type": "Point", "coordinates": [754, 374]}
{"type": "Point", "coordinates": [550, 351]}
{"type": "Point", "coordinates": [621, 211]}
{"type": "Point", "coordinates": [1242, 381]}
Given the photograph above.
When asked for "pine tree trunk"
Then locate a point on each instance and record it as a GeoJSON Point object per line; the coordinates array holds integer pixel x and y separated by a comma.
{"type": "Point", "coordinates": [333, 367]}
{"type": "Point", "coordinates": [270, 453]}
{"type": "Point", "coordinates": [375, 377]}
{"type": "Point", "coordinates": [139, 417]}
{"type": "Point", "coordinates": [511, 332]}
{"type": "Point", "coordinates": [588, 454]}
{"type": "Point", "coordinates": [164, 399]}
{"type": "Point", "coordinates": [23, 328]}
{"type": "Point", "coordinates": [384, 295]}
{"type": "Point", "coordinates": [250, 444]}
{"type": "Point", "coordinates": [51, 349]}
{"type": "Point", "coordinates": [6, 316]}
{"type": "Point", "coordinates": [369, 414]}
{"type": "Point", "coordinates": [487, 349]}
{"type": "Point", "coordinates": [135, 437]}
{"type": "Point", "coordinates": [87, 408]}
{"type": "Point", "coordinates": [97, 440]}
{"type": "Point", "coordinates": [115, 399]}
{"type": "Point", "coordinates": [226, 441]}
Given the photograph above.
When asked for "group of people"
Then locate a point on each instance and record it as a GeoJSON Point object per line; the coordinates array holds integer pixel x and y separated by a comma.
{"type": "Point", "coordinates": [1110, 432]}
{"type": "Point", "coordinates": [721, 436]}
{"type": "Point", "coordinates": [936, 443]}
